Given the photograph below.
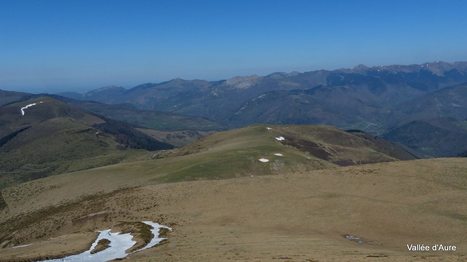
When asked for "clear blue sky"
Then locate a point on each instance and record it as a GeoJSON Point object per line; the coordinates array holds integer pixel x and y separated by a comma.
{"type": "Point", "coordinates": [84, 44]}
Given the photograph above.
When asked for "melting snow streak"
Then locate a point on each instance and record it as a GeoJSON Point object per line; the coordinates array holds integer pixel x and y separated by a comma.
{"type": "Point", "coordinates": [155, 232]}
{"type": "Point", "coordinates": [26, 107]}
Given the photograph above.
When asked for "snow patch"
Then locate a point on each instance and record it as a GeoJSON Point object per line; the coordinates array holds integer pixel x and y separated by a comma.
{"type": "Point", "coordinates": [278, 154]}
{"type": "Point", "coordinates": [354, 238]}
{"type": "Point", "coordinates": [20, 246]}
{"type": "Point", "coordinates": [119, 244]}
{"type": "Point", "coordinates": [155, 232]}
{"type": "Point", "coordinates": [280, 138]}
{"type": "Point", "coordinates": [26, 107]}
{"type": "Point", "coordinates": [242, 82]}
{"type": "Point", "coordinates": [263, 160]}
{"type": "Point", "coordinates": [268, 128]}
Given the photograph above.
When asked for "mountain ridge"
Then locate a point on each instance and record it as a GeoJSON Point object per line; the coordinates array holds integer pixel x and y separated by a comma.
{"type": "Point", "coordinates": [384, 86]}
{"type": "Point", "coordinates": [434, 67]}
{"type": "Point", "coordinates": [42, 136]}
{"type": "Point", "coordinates": [373, 99]}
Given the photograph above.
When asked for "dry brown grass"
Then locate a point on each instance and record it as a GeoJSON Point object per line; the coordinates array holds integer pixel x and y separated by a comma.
{"type": "Point", "coordinates": [297, 216]}
{"type": "Point", "coordinates": [101, 245]}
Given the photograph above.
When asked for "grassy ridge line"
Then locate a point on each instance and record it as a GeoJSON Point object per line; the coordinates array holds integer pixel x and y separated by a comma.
{"type": "Point", "coordinates": [221, 155]}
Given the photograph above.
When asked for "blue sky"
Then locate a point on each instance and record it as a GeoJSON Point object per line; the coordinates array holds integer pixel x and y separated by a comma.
{"type": "Point", "coordinates": [84, 44]}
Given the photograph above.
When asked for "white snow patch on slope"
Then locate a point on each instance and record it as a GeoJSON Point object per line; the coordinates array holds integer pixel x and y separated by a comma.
{"type": "Point", "coordinates": [155, 232]}
{"type": "Point", "coordinates": [26, 107]}
{"type": "Point", "coordinates": [280, 138]}
{"type": "Point", "coordinates": [20, 246]}
{"type": "Point", "coordinates": [278, 154]}
{"type": "Point", "coordinates": [119, 244]}
{"type": "Point", "coordinates": [264, 160]}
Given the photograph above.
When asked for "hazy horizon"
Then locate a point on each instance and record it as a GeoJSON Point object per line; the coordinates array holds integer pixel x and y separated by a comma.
{"type": "Point", "coordinates": [84, 89]}
{"type": "Point", "coordinates": [56, 46]}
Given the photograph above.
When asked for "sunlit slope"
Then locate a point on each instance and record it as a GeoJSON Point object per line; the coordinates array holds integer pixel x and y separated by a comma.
{"type": "Point", "coordinates": [302, 216]}
{"type": "Point", "coordinates": [221, 155]}
{"type": "Point", "coordinates": [288, 148]}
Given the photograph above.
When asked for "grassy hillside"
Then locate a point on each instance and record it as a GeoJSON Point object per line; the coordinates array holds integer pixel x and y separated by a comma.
{"type": "Point", "coordinates": [222, 155]}
{"type": "Point", "coordinates": [237, 153]}
{"type": "Point", "coordinates": [358, 213]}
{"type": "Point", "coordinates": [53, 137]}
{"type": "Point", "coordinates": [300, 204]}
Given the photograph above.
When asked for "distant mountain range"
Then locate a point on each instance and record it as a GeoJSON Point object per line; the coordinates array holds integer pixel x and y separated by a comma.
{"type": "Point", "coordinates": [373, 99]}
{"type": "Point", "coordinates": [351, 98]}
{"type": "Point", "coordinates": [388, 101]}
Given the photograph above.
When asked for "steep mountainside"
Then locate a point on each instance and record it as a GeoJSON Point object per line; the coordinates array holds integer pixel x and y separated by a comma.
{"type": "Point", "coordinates": [338, 106]}
{"type": "Point", "coordinates": [7, 97]}
{"type": "Point", "coordinates": [432, 137]}
{"type": "Point", "coordinates": [42, 136]}
{"type": "Point", "coordinates": [448, 102]}
{"type": "Point", "coordinates": [375, 90]}
{"type": "Point", "coordinates": [373, 99]}
{"type": "Point", "coordinates": [112, 94]}
{"type": "Point", "coordinates": [146, 118]}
